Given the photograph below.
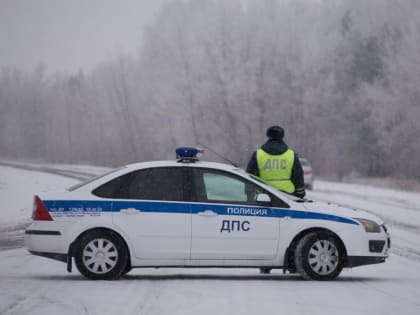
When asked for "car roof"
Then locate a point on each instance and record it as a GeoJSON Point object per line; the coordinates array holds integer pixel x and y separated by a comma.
{"type": "Point", "coordinates": [197, 163]}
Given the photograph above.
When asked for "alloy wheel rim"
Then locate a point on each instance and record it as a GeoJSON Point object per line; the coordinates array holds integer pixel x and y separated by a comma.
{"type": "Point", "coordinates": [100, 256]}
{"type": "Point", "coordinates": [323, 257]}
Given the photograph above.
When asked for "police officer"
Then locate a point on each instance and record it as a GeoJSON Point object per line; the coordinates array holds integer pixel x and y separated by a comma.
{"type": "Point", "coordinates": [278, 165]}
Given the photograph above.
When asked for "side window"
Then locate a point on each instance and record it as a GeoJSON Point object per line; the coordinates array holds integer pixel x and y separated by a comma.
{"type": "Point", "coordinates": [219, 186]}
{"type": "Point", "coordinates": [116, 188]}
{"type": "Point", "coordinates": [158, 184]}
{"type": "Point", "coordinates": [163, 183]}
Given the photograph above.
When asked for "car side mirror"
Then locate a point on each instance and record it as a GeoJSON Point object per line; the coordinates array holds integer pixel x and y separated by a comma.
{"type": "Point", "coordinates": [263, 198]}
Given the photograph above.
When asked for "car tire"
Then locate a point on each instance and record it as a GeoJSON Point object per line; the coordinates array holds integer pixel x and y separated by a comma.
{"type": "Point", "coordinates": [319, 256]}
{"type": "Point", "coordinates": [127, 269]}
{"type": "Point", "coordinates": [101, 255]}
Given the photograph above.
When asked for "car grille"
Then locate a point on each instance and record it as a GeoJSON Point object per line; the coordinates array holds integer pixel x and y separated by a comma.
{"type": "Point", "coordinates": [376, 246]}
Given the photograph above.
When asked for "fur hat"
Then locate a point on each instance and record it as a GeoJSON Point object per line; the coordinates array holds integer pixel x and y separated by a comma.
{"type": "Point", "coordinates": [275, 133]}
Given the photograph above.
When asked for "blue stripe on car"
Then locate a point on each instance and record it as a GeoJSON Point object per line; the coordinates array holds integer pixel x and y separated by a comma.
{"type": "Point", "coordinates": [64, 207]}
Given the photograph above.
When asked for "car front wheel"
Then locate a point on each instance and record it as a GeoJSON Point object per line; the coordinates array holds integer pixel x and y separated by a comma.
{"type": "Point", "coordinates": [319, 256]}
{"type": "Point", "coordinates": [101, 255]}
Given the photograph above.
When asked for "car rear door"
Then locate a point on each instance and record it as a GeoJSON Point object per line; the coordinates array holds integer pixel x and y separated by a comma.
{"type": "Point", "coordinates": [149, 206]}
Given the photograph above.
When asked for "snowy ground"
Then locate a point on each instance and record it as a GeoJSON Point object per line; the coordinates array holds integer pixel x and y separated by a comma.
{"type": "Point", "coordinates": [35, 285]}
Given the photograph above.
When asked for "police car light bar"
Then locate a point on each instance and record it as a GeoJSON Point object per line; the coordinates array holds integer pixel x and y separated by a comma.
{"type": "Point", "coordinates": [187, 154]}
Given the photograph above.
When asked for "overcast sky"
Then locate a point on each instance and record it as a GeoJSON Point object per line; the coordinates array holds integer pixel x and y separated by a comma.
{"type": "Point", "coordinates": [67, 35]}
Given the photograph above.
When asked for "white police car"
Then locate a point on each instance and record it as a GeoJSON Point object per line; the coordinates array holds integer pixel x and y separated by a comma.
{"type": "Point", "coordinates": [189, 213]}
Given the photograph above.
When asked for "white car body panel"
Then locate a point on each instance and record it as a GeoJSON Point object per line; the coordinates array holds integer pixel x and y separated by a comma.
{"type": "Point", "coordinates": [169, 233]}
{"type": "Point", "coordinates": [158, 235]}
{"type": "Point", "coordinates": [211, 241]}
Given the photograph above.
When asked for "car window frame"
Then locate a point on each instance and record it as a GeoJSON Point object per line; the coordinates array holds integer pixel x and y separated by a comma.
{"type": "Point", "coordinates": [275, 201]}
{"type": "Point", "coordinates": [184, 184]}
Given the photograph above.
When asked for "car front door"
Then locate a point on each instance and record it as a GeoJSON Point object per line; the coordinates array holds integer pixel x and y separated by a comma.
{"type": "Point", "coordinates": [227, 222]}
{"type": "Point", "coordinates": [149, 206]}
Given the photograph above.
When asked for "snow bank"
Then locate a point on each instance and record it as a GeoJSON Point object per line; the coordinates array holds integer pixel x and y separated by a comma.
{"type": "Point", "coordinates": [17, 188]}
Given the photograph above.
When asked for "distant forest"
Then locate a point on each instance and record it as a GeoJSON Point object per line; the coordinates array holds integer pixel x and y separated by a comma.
{"type": "Point", "coordinates": [341, 76]}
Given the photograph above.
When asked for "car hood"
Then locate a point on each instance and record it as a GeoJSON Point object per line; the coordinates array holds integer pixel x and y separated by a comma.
{"type": "Point", "coordinates": [339, 210]}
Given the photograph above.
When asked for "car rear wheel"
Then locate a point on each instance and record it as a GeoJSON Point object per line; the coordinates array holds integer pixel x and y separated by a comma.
{"type": "Point", "coordinates": [101, 255]}
{"type": "Point", "coordinates": [319, 256]}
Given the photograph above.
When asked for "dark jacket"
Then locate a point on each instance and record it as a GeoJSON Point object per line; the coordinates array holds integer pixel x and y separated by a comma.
{"type": "Point", "coordinates": [275, 147]}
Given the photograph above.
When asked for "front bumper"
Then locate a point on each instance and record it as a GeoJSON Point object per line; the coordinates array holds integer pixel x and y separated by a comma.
{"type": "Point", "coordinates": [376, 247]}
{"type": "Point", "coordinates": [354, 261]}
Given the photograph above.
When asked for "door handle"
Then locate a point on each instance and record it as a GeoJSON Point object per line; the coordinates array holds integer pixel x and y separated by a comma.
{"type": "Point", "coordinates": [130, 211]}
{"type": "Point", "coordinates": [207, 213]}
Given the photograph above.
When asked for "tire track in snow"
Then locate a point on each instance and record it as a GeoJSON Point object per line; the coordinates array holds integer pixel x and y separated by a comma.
{"type": "Point", "coordinates": [387, 294]}
{"type": "Point", "coordinates": [52, 170]}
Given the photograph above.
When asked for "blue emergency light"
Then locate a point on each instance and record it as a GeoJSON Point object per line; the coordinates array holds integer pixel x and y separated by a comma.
{"type": "Point", "coordinates": [187, 154]}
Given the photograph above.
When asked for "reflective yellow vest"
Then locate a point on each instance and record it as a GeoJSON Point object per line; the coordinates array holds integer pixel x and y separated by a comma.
{"type": "Point", "coordinates": [277, 169]}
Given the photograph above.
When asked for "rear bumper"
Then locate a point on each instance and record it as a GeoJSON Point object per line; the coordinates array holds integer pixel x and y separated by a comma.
{"type": "Point", "coordinates": [55, 256]}
{"type": "Point", "coordinates": [39, 242]}
{"type": "Point", "coordinates": [45, 241]}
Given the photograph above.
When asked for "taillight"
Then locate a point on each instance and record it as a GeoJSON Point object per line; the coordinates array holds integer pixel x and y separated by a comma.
{"type": "Point", "coordinates": [40, 212]}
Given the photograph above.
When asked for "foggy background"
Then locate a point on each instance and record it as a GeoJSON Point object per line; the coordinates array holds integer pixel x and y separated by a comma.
{"type": "Point", "coordinates": [67, 36]}
{"type": "Point", "coordinates": [112, 82]}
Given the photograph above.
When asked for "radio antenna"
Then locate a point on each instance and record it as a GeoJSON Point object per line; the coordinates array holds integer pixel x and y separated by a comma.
{"type": "Point", "coordinates": [219, 155]}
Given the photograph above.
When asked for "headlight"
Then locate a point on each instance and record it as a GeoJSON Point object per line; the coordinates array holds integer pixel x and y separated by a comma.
{"type": "Point", "coordinates": [370, 226]}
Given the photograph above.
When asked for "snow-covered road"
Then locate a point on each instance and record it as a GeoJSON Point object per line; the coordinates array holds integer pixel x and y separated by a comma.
{"type": "Point", "coordinates": [35, 285]}
{"type": "Point", "coordinates": [32, 285]}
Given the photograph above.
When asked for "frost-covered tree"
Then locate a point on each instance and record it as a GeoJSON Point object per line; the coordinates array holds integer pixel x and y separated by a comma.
{"type": "Point", "coordinates": [341, 76]}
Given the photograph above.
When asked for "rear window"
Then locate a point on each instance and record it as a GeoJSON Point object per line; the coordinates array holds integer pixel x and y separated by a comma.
{"type": "Point", "coordinates": [83, 183]}
{"type": "Point", "coordinates": [164, 183]}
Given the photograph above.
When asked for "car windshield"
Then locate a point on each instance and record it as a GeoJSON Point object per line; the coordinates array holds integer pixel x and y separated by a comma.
{"type": "Point", "coordinates": [258, 179]}
{"type": "Point", "coordinates": [239, 170]}
{"type": "Point", "coordinates": [83, 183]}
